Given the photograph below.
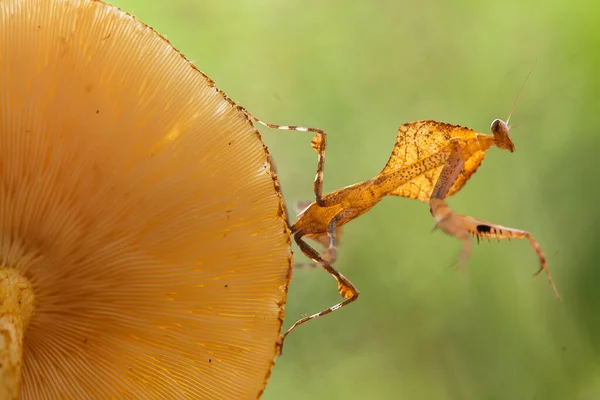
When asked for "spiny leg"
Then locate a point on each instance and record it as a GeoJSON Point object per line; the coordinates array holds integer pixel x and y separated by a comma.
{"type": "Point", "coordinates": [462, 227]}
{"type": "Point", "coordinates": [484, 229]}
{"type": "Point", "coordinates": [318, 143]}
{"type": "Point", "coordinates": [445, 218]}
{"type": "Point", "coordinates": [450, 172]}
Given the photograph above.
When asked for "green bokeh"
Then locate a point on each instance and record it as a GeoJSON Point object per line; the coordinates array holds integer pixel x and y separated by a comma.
{"type": "Point", "coordinates": [422, 330]}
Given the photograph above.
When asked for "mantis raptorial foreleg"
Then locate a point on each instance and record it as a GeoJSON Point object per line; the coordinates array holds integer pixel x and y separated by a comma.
{"type": "Point", "coordinates": [463, 227]}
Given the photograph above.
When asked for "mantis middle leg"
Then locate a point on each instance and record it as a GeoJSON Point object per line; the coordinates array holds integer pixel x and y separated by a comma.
{"type": "Point", "coordinates": [318, 143]}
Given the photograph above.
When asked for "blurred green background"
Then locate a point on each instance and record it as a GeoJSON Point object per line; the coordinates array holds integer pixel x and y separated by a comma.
{"type": "Point", "coordinates": [422, 330]}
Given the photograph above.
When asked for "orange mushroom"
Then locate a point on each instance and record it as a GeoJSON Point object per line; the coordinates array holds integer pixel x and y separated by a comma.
{"type": "Point", "coordinates": [144, 251]}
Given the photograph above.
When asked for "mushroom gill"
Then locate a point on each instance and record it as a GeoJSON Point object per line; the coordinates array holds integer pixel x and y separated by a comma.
{"type": "Point", "coordinates": [144, 251]}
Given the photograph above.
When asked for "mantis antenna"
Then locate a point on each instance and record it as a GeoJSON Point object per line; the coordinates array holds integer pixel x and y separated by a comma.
{"type": "Point", "coordinates": [512, 108]}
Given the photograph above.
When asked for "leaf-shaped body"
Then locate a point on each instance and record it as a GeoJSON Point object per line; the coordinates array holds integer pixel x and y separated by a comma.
{"type": "Point", "coordinates": [421, 139]}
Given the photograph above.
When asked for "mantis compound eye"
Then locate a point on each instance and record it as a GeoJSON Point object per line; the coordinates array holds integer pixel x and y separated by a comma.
{"type": "Point", "coordinates": [498, 125]}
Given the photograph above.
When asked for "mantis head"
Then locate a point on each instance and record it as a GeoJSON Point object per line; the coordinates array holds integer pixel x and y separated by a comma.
{"type": "Point", "coordinates": [500, 130]}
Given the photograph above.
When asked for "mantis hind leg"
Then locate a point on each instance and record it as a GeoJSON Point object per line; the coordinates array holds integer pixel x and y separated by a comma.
{"type": "Point", "coordinates": [330, 240]}
{"type": "Point", "coordinates": [464, 227]}
{"type": "Point", "coordinates": [345, 288]}
{"type": "Point", "coordinates": [329, 254]}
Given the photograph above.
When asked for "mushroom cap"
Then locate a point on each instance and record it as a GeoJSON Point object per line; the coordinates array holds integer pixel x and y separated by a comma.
{"type": "Point", "coordinates": [141, 205]}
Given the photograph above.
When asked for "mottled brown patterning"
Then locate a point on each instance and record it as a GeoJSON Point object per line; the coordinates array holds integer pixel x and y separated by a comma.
{"type": "Point", "coordinates": [431, 160]}
{"type": "Point", "coordinates": [423, 138]}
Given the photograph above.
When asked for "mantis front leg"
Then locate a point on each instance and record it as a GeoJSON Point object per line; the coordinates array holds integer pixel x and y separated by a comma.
{"type": "Point", "coordinates": [463, 227]}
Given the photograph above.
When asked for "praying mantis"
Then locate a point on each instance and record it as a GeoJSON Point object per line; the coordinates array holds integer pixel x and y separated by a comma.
{"type": "Point", "coordinates": [430, 161]}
